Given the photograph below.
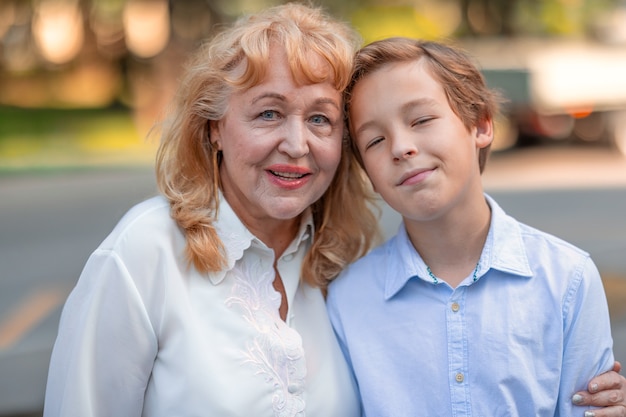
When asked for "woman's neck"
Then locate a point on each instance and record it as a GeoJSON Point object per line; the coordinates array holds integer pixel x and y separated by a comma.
{"type": "Point", "coordinates": [276, 234]}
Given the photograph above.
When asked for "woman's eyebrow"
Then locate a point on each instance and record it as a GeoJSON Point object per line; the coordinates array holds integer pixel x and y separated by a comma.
{"type": "Point", "coordinates": [268, 95]}
{"type": "Point", "coordinates": [319, 101]}
{"type": "Point", "coordinates": [330, 101]}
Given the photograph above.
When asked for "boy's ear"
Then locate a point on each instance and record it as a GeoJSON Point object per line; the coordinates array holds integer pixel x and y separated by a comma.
{"type": "Point", "coordinates": [214, 134]}
{"type": "Point", "coordinates": [484, 133]}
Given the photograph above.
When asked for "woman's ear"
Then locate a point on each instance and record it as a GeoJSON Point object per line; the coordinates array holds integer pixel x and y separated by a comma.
{"type": "Point", "coordinates": [484, 133]}
{"type": "Point", "coordinates": [214, 134]}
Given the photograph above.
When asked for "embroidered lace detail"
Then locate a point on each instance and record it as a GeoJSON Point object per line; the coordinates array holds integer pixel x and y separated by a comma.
{"type": "Point", "coordinates": [235, 244]}
{"type": "Point", "coordinates": [276, 351]}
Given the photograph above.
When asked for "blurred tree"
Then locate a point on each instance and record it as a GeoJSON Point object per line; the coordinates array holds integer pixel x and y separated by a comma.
{"type": "Point", "coordinates": [531, 17]}
{"type": "Point", "coordinates": [489, 17]}
{"type": "Point", "coordinates": [29, 73]}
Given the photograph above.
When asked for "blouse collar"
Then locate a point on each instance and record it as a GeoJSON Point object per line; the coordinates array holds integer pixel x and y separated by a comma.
{"type": "Point", "coordinates": [236, 237]}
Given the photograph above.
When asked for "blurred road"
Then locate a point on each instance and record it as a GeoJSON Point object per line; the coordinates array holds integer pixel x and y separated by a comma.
{"type": "Point", "coordinates": [50, 223]}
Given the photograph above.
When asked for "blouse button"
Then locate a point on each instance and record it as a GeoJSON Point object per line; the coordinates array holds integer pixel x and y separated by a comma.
{"type": "Point", "coordinates": [293, 388]}
{"type": "Point", "coordinates": [455, 307]}
{"type": "Point", "coordinates": [459, 377]}
{"type": "Point", "coordinates": [288, 258]}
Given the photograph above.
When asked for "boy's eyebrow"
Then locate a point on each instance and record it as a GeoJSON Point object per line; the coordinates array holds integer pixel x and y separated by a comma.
{"type": "Point", "coordinates": [364, 126]}
{"type": "Point", "coordinates": [419, 102]}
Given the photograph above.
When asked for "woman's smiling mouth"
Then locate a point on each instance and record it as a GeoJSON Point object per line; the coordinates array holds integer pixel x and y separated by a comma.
{"type": "Point", "coordinates": [288, 175]}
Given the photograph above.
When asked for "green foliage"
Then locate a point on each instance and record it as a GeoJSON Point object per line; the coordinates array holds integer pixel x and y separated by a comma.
{"type": "Point", "coordinates": [36, 138]}
{"type": "Point", "coordinates": [378, 22]}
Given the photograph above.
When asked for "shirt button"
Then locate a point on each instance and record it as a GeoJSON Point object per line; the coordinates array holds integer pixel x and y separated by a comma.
{"type": "Point", "coordinates": [459, 377]}
{"type": "Point", "coordinates": [288, 258]}
{"type": "Point", "coordinates": [455, 307]}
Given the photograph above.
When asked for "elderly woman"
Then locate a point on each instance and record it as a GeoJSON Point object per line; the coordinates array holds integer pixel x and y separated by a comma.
{"type": "Point", "coordinates": [208, 300]}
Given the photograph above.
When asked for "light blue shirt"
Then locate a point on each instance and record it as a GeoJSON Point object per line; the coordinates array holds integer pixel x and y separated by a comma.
{"type": "Point", "coordinates": [519, 341]}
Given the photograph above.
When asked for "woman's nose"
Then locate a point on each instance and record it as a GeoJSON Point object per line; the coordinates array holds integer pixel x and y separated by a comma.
{"type": "Point", "coordinates": [295, 140]}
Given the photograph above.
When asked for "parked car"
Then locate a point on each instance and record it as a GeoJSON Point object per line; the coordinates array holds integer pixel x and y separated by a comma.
{"type": "Point", "coordinates": [557, 89]}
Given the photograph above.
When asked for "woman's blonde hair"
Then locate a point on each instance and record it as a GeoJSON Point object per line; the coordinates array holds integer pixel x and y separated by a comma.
{"type": "Point", "coordinates": [187, 164]}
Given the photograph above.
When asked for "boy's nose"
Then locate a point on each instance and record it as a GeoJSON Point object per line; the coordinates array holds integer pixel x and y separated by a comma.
{"type": "Point", "coordinates": [403, 148]}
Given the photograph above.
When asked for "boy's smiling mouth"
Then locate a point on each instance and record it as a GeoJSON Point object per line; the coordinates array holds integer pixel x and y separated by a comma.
{"type": "Point", "coordinates": [415, 176]}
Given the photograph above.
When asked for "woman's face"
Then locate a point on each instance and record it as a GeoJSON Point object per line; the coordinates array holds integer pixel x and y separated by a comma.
{"type": "Point", "coordinates": [281, 145]}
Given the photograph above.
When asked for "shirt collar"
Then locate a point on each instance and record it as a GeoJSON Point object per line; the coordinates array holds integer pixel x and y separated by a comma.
{"type": "Point", "coordinates": [504, 250]}
{"type": "Point", "coordinates": [236, 237]}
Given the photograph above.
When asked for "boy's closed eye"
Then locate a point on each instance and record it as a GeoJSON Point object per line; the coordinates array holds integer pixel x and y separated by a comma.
{"type": "Point", "coordinates": [422, 120]}
{"type": "Point", "coordinates": [374, 142]}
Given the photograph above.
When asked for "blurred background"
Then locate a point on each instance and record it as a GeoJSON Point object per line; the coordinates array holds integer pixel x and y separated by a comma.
{"type": "Point", "coordinates": [82, 82]}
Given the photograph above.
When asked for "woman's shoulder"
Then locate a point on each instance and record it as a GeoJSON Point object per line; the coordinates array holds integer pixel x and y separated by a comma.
{"type": "Point", "coordinates": [143, 225]}
{"type": "Point", "coordinates": [157, 206]}
{"type": "Point", "coordinates": [146, 244]}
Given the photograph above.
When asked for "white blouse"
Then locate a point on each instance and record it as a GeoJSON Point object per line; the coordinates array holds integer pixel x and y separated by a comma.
{"type": "Point", "coordinates": [143, 333]}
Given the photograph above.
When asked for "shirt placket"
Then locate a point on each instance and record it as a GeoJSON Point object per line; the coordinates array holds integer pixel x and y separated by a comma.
{"type": "Point", "coordinates": [457, 353]}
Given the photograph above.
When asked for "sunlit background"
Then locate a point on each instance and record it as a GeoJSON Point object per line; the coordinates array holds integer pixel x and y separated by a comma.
{"type": "Point", "coordinates": [82, 82]}
{"type": "Point", "coordinates": [105, 69]}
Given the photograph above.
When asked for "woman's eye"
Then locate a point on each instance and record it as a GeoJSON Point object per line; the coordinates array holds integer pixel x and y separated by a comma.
{"type": "Point", "coordinates": [319, 119]}
{"type": "Point", "coordinates": [268, 115]}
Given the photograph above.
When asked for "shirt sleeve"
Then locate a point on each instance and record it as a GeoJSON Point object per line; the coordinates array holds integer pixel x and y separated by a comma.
{"type": "Point", "coordinates": [588, 345]}
{"type": "Point", "coordinates": [335, 320]}
{"type": "Point", "coordinates": [105, 348]}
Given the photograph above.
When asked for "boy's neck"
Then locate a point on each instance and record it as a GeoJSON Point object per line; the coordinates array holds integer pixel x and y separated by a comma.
{"type": "Point", "coordinates": [451, 246]}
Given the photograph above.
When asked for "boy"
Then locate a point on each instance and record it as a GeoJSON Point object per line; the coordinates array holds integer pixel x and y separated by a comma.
{"type": "Point", "coordinates": [465, 312]}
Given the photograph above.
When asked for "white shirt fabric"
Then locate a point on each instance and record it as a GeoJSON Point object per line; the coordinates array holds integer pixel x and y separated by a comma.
{"type": "Point", "coordinates": [143, 333]}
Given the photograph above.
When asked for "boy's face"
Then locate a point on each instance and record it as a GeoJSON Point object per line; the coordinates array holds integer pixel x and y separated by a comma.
{"type": "Point", "coordinates": [417, 152]}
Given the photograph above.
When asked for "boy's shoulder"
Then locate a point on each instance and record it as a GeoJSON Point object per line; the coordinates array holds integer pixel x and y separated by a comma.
{"type": "Point", "coordinates": [509, 234]}
{"type": "Point", "coordinates": [380, 255]}
{"type": "Point", "coordinates": [374, 266]}
{"type": "Point", "coordinates": [536, 239]}
{"type": "Point", "coordinates": [524, 250]}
